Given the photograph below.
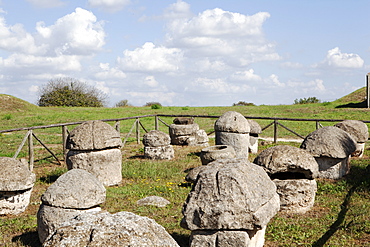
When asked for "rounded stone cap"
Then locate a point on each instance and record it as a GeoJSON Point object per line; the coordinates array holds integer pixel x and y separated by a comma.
{"type": "Point", "coordinates": [93, 135]}
{"type": "Point", "coordinates": [14, 175]}
{"type": "Point", "coordinates": [288, 159]}
{"type": "Point", "coordinates": [216, 152]}
{"type": "Point", "coordinates": [232, 121]}
{"type": "Point", "coordinates": [75, 189]}
{"type": "Point", "coordinates": [255, 127]}
{"type": "Point", "coordinates": [357, 129]}
{"type": "Point", "coordinates": [156, 138]}
{"type": "Point", "coordinates": [329, 142]}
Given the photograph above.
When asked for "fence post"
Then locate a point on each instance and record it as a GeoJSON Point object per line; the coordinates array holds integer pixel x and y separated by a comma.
{"type": "Point", "coordinates": [30, 150]}
{"type": "Point", "coordinates": [64, 136]}
{"type": "Point", "coordinates": [275, 130]}
{"type": "Point", "coordinates": [317, 125]}
{"type": "Point", "coordinates": [138, 131]}
{"type": "Point", "coordinates": [368, 90]}
{"type": "Point", "coordinates": [156, 122]}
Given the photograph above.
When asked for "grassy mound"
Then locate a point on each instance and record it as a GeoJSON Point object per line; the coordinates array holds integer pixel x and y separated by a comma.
{"type": "Point", "coordinates": [10, 104]}
{"type": "Point", "coordinates": [357, 96]}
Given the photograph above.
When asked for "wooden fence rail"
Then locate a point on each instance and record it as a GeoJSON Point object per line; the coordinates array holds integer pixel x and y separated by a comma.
{"type": "Point", "coordinates": [137, 125]}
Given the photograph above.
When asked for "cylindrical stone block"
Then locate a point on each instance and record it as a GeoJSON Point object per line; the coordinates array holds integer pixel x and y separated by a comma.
{"type": "Point", "coordinates": [240, 142]}
{"type": "Point", "coordinates": [213, 153]}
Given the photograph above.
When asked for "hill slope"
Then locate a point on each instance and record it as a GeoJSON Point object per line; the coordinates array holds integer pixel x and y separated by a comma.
{"type": "Point", "coordinates": [357, 96]}
{"type": "Point", "coordinates": [11, 103]}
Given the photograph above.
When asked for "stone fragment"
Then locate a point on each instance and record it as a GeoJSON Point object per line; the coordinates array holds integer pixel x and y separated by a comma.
{"type": "Point", "coordinates": [232, 128]}
{"type": "Point", "coordinates": [216, 152]}
{"type": "Point", "coordinates": [253, 136]}
{"type": "Point", "coordinates": [16, 183]}
{"type": "Point", "coordinates": [73, 193]}
{"type": "Point", "coordinates": [153, 201]}
{"type": "Point", "coordinates": [331, 147]}
{"type": "Point", "coordinates": [75, 189]}
{"type": "Point", "coordinates": [156, 138]}
{"type": "Point", "coordinates": [292, 170]}
{"type": "Point", "coordinates": [105, 229]}
{"type": "Point", "coordinates": [187, 135]}
{"type": "Point", "coordinates": [106, 164]}
{"type": "Point", "coordinates": [183, 120]}
{"type": "Point", "coordinates": [95, 146]}
{"type": "Point", "coordinates": [159, 153]}
{"type": "Point", "coordinates": [230, 194]}
{"type": "Point", "coordinates": [359, 132]}
{"type": "Point", "coordinates": [93, 135]}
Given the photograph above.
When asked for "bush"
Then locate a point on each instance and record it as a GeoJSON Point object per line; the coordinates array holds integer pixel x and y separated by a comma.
{"type": "Point", "coordinates": [122, 103]}
{"type": "Point", "coordinates": [152, 103]}
{"type": "Point", "coordinates": [309, 100]}
{"type": "Point", "coordinates": [70, 92]}
{"type": "Point", "coordinates": [155, 106]}
{"type": "Point", "coordinates": [243, 103]}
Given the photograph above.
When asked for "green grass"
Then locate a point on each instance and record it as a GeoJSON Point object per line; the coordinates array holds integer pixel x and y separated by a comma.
{"type": "Point", "coordinates": [340, 216]}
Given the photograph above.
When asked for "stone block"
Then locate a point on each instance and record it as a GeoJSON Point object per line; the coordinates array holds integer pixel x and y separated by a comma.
{"type": "Point", "coordinates": [159, 153]}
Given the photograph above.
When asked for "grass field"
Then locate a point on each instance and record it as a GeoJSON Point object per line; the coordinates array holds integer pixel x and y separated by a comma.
{"type": "Point", "coordinates": [340, 216]}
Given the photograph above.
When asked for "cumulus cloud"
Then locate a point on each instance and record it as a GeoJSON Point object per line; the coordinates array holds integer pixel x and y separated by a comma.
{"type": "Point", "coordinates": [150, 81]}
{"type": "Point", "coordinates": [106, 73]}
{"type": "Point", "coordinates": [178, 10]}
{"type": "Point", "coordinates": [335, 58]}
{"type": "Point", "coordinates": [109, 5]}
{"type": "Point", "coordinates": [312, 86]}
{"type": "Point", "coordinates": [236, 37]}
{"type": "Point", "coordinates": [246, 75]}
{"type": "Point", "coordinates": [78, 33]}
{"type": "Point", "coordinates": [151, 58]}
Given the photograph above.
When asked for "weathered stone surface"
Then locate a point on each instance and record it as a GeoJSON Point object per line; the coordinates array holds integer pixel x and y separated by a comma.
{"type": "Point", "coordinates": [213, 153]}
{"type": "Point", "coordinates": [104, 229]}
{"type": "Point", "coordinates": [106, 164]}
{"type": "Point", "coordinates": [183, 129]}
{"type": "Point", "coordinates": [253, 144]}
{"type": "Point", "coordinates": [183, 120]}
{"type": "Point", "coordinates": [193, 174]}
{"type": "Point", "coordinates": [14, 175]}
{"type": "Point", "coordinates": [50, 218]}
{"type": "Point", "coordinates": [359, 132]}
{"type": "Point", "coordinates": [247, 238]}
{"type": "Point", "coordinates": [14, 202]}
{"type": "Point", "coordinates": [232, 121]}
{"type": "Point", "coordinates": [201, 138]}
{"type": "Point", "coordinates": [288, 159]}
{"type": "Point", "coordinates": [255, 128]}
{"type": "Point", "coordinates": [93, 135]}
{"type": "Point", "coordinates": [153, 201]}
{"type": "Point", "coordinates": [332, 168]}
{"type": "Point", "coordinates": [329, 141]}
{"type": "Point", "coordinates": [230, 194]}
{"type": "Point", "coordinates": [296, 195]}
{"type": "Point", "coordinates": [156, 138]}
{"type": "Point", "coordinates": [76, 189]}
{"type": "Point", "coordinates": [240, 142]}
{"type": "Point", "coordinates": [159, 153]}
{"type": "Point", "coordinates": [357, 129]}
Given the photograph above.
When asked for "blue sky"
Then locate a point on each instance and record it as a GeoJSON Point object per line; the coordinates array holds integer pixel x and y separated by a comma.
{"type": "Point", "coordinates": [187, 53]}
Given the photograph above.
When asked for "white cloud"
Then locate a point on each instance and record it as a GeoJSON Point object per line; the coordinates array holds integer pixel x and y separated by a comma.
{"type": "Point", "coordinates": [313, 86]}
{"type": "Point", "coordinates": [107, 73]}
{"type": "Point", "coordinates": [335, 58]}
{"type": "Point", "coordinates": [47, 3]}
{"type": "Point", "coordinates": [151, 58]}
{"type": "Point", "coordinates": [15, 38]}
{"type": "Point", "coordinates": [275, 80]}
{"type": "Point", "coordinates": [235, 37]}
{"type": "Point", "coordinates": [246, 75]}
{"type": "Point", "coordinates": [291, 65]}
{"type": "Point", "coordinates": [150, 81]}
{"type": "Point", "coordinates": [109, 5]}
{"type": "Point", "coordinates": [178, 10]}
{"type": "Point", "coordinates": [78, 33]}
{"type": "Point", "coordinates": [165, 98]}
{"type": "Point", "coordinates": [215, 86]}
{"type": "Point", "coordinates": [34, 88]}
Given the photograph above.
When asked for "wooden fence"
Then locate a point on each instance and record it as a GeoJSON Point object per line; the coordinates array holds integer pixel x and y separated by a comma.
{"type": "Point", "coordinates": [137, 126]}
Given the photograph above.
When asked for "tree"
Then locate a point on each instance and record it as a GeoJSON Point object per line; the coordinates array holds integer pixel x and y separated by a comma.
{"type": "Point", "coordinates": [70, 92]}
{"type": "Point", "coordinates": [308, 100]}
{"type": "Point", "coordinates": [243, 103]}
{"type": "Point", "coordinates": [122, 103]}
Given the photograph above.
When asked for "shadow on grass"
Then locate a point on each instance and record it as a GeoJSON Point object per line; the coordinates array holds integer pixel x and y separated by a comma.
{"type": "Point", "coordinates": [359, 179]}
{"type": "Point", "coordinates": [30, 239]}
{"type": "Point", "coordinates": [362, 104]}
{"type": "Point", "coordinates": [181, 239]}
